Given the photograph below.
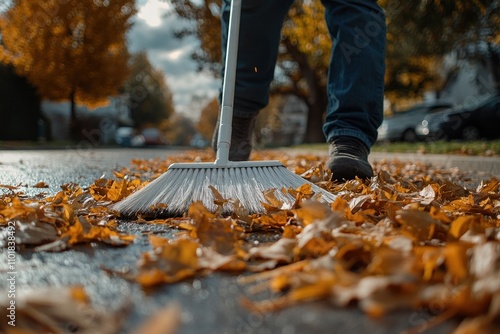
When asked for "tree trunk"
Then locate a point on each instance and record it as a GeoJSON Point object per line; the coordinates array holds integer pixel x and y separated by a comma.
{"type": "Point", "coordinates": [495, 67]}
{"type": "Point", "coordinates": [315, 96]}
{"type": "Point", "coordinates": [315, 119]}
{"type": "Point", "coordinates": [74, 126]}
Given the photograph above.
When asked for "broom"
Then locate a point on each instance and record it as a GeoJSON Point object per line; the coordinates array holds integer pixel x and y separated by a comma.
{"type": "Point", "coordinates": [172, 193]}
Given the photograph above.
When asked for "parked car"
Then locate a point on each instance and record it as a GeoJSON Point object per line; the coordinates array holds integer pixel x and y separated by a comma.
{"type": "Point", "coordinates": [471, 121]}
{"type": "Point", "coordinates": [124, 135]}
{"type": "Point", "coordinates": [129, 137]}
{"type": "Point", "coordinates": [401, 125]}
{"type": "Point", "coordinates": [152, 136]}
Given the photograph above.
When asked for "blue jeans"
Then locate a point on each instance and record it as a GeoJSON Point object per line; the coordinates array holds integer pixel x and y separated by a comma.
{"type": "Point", "coordinates": [356, 72]}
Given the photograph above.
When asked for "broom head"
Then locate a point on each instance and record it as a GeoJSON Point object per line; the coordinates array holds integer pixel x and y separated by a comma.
{"type": "Point", "coordinates": [174, 191]}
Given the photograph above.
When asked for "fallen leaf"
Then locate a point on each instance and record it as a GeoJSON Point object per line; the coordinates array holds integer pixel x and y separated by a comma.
{"type": "Point", "coordinates": [57, 310]}
{"type": "Point", "coordinates": [164, 321]}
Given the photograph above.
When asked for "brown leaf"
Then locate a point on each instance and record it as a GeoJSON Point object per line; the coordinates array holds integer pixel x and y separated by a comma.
{"type": "Point", "coordinates": [170, 262]}
{"type": "Point", "coordinates": [55, 310]}
{"type": "Point", "coordinates": [41, 185]}
{"type": "Point", "coordinates": [281, 251]}
{"type": "Point", "coordinates": [420, 225]}
{"type": "Point", "coordinates": [312, 211]}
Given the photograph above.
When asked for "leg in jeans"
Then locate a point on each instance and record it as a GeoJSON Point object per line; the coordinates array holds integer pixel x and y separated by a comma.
{"type": "Point", "coordinates": [260, 31]}
{"type": "Point", "coordinates": [355, 83]}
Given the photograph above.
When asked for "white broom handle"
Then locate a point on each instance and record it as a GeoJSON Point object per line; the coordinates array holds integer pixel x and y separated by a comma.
{"type": "Point", "coordinates": [226, 118]}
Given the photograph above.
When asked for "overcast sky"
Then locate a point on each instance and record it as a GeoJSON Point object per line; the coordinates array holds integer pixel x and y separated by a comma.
{"type": "Point", "coordinates": [153, 32]}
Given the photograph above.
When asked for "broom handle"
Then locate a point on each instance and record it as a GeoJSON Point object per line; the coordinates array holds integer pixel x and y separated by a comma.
{"type": "Point", "coordinates": [226, 118]}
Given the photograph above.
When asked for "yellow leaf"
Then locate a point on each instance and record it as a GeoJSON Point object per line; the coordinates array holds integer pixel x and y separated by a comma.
{"type": "Point", "coordinates": [461, 225]}
{"type": "Point", "coordinates": [456, 260]}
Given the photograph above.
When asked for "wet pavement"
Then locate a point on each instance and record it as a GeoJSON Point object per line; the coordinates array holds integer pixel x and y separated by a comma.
{"type": "Point", "coordinates": [209, 304]}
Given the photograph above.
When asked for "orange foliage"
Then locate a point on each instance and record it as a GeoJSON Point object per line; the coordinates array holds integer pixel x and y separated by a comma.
{"type": "Point", "coordinates": [68, 46]}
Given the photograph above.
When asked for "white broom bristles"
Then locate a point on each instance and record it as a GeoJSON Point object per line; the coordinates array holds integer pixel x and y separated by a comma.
{"type": "Point", "coordinates": [173, 192]}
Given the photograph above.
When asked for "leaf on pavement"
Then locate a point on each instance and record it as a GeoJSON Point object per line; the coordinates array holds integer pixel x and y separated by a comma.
{"type": "Point", "coordinates": [168, 262]}
{"type": "Point", "coordinates": [41, 185]}
{"type": "Point", "coordinates": [57, 310]}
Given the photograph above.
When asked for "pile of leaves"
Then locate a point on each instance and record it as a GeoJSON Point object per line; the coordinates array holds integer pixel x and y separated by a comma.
{"type": "Point", "coordinates": [411, 237]}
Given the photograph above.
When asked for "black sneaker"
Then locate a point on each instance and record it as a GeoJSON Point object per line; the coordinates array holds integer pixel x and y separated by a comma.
{"type": "Point", "coordinates": [241, 138]}
{"type": "Point", "coordinates": [348, 159]}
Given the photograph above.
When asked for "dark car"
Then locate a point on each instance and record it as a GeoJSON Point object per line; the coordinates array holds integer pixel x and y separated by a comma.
{"type": "Point", "coordinates": [152, 136]}
{"type": "Point", "coordinates": [471, 121]}
{"type": "Point", "coordinates": [401, 126]}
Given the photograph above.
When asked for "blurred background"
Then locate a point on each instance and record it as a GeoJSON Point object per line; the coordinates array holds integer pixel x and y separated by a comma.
{"type": "Point", "coordinates": [146, 72]}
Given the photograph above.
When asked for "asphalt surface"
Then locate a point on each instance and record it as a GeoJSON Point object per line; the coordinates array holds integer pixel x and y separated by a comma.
{"type": "Point", "coordinates": [210, 304]}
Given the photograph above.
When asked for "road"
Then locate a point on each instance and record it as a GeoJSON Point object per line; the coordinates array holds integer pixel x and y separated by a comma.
{"type": "Point", "coordinates": [209, 305]}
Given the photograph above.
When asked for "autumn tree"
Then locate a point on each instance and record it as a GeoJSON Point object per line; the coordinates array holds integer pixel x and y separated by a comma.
{"type": "Point", "coordinates": [208, 119]}
{"type": "Point", "coordinates": [149, 95]}
{"type": "Point", "coordinates": [302, 68]}
{"type": "Point", "coordinates": [179, 130]}
{"type": "Point", "coordinates": [420, 32]}
{"type": "Point", "coordinates": [69, 49]}
{"type": "Point", "coordinates": [304, 63]}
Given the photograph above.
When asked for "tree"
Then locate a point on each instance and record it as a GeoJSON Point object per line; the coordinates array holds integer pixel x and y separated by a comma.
{"type": "Point", "coordinates": [69, 49]}
{"type": "Point", "coordinates": [179, 130]}
{"type": "Point", "coordinates": [304, 63]}
{"type": "Point", "coordinates": [302, 67]}
{"type": "Point", "coordinates": [208, 119]}
{"type": "Point", "coordinates": [420, 32]}
{"type": "Point", "coordinates": [149, 95]}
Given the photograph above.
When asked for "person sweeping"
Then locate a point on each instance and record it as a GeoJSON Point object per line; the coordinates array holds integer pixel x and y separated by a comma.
{"type": "Point", "coordinates": [355, 78]}
{"type": "Point", "coordinates": [355, 98]}
{"type": "Point", "coordinates": [241, 184]}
